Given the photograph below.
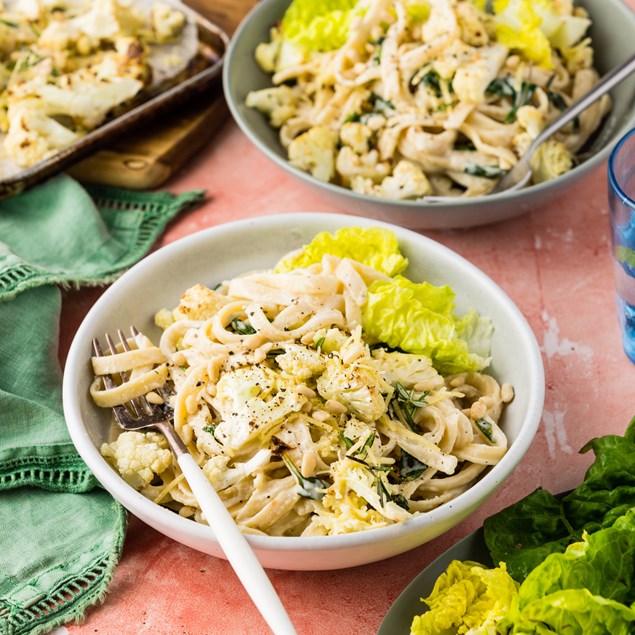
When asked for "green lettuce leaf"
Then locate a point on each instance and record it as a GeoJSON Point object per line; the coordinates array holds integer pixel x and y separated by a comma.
{"type": "Point", "coordinates": [419, 318]}
{"type": "Point", "coordinates": [524, 533]}
{"type": "Point", "coordinates": [375, 247]}
{"type": "Point", "coordinates": [586, 589]}
{"type": "Point", "coordinates": [466, 594]}
{"type": "Point", "coordinates": [318, 25]}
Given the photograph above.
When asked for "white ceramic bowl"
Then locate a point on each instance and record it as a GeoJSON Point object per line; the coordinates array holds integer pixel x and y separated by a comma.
{"type": "Point", "coordinates": [612, 31]}
{"type": "Point", "coordinates": [215, 254]}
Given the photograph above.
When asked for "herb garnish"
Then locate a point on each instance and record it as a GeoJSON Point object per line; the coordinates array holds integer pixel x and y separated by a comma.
{"type": "Point", "coordinates": [485, 427]}
{"type": "Point", "coordinates": [309, 486]}
{"type": "Point", "coordinates": [241, 327]}
{"type": "Point", "coordinates": [410, 467]}
{"type": "Point", "coordinates": [484, 171]}
{"type": "Point", "coordinates": [405, 404]}
{"type": "Point", "coordinates": [376, 105]}
{"type": "Point", "coordinates": [503, 87]}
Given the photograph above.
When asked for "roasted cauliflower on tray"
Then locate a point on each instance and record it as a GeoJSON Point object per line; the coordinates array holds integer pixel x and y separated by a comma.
{"type": "Point", "coordinates": [67, 66]}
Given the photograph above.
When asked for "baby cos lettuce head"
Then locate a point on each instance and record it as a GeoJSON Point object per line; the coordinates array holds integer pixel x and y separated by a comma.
{"type": "Point", "coordinates": [533, 27]}
{"type": "Point", "coordinates": [318, 25]}
{"type": "Point", "coordinates": [414, 317]}
{"type": "Point", "coordinates": [419, 318]}
{"type": "Point", "coordinates": [469, 595]}
{"type": "Point", "coordinates": [590, 588]}
{"type": "Point", "coordinates": [374, 246]}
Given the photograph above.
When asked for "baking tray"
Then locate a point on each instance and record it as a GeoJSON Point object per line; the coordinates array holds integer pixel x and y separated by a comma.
{"type": "Point", "coordinates": [204, 71]}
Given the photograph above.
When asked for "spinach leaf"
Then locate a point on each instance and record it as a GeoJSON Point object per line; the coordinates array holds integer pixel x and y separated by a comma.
{"type": "Point", "coordinates": [485, 171]}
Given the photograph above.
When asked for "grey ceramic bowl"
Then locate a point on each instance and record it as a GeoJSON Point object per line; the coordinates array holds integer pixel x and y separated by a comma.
{"type": "Point", "coordinates": [613, 34]}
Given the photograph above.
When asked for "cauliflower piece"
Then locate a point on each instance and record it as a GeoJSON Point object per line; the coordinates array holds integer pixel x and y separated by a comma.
{"type": "Point", "coordinates": [349, 165]}
{"type": "Point", "coordinates": [300, 362]}
{"type": "Point", "coordinates": [531, 119]}
{"type": "Point", "coordinates": [252, 400]}
{"type": "Point", "coordinates": [471, 79]}
{"type": "Point", "coordinates": [266, 53]}
{"type": "Point", "coordinates": [406, 181]}
{"type": "Point", "coordinates": [221, 476]}
{"type": "Point", "coordinates": [407, 369]}
{"type": "Point", "coordinates": [370, 489]}
{"type": "Point", "coordinates": [278, 103]}
{"type": "Point", "coordinates": [551, 160]}
{"type": "Point", "coordinates": [358, 387]}
{"type": "Point", "coordinates": [138, 456]}
{"type": "Point", "coordinates": [356, 135]}
{"type": "Point", "coordinates": [314, 152]}
{"type": "Point", "coordinates": [32, 135]}
{"type": "Point", "coordinates": [167, 22]}
{"type": "Point", "coordinates": [199, 303]}
{"type": "Point", "coordinates": [330, 339]}
{"type": "Point", "coordinates": [473, 30]}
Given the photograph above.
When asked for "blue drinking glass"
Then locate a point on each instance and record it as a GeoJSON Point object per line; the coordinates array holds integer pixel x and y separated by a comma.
{"type": "Point", "coordinates": [621, 172]}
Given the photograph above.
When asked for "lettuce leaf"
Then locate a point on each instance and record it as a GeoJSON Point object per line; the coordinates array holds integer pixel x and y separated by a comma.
{"type": "Point", "coordinates": [318, 25]}
{"type": "Point", "coordinates": [586, 589]}
{"type": "Point", "coordinates": [375, 247]}
{"type": "Point", "coordinates": [523, 534]}
{"type": "Point", "coordinates": [413, 317]}
{"type": "Point", "coordinates": [419, 318]}
{"type": "Point", "coordinates": [517, 26]}
{"type": "Point", "coordinates": [466, 594]}
{"type": "Point", "coordinates": [534, 27]}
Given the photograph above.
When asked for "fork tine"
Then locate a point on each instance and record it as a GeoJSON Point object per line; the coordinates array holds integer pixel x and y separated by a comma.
{"type": "Point", "coordinates": [138, 403]}
{"type": "Point", "coordinates": [107, 379]}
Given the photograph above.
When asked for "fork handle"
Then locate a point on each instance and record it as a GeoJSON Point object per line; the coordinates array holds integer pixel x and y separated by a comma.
{"type": "Point", "coordinates": [236, 548]}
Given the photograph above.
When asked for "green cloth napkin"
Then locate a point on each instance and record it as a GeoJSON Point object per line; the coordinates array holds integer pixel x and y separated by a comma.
{"type": "Point", "coordinates": [60, 535]}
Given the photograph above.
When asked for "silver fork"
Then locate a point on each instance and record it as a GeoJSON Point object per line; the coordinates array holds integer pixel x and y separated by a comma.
{"type": "Point", "coordinates": [139, 414]}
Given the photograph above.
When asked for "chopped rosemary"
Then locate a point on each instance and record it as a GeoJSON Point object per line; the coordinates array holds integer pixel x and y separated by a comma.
{"type": "Point", "coordinates": [405, 404]}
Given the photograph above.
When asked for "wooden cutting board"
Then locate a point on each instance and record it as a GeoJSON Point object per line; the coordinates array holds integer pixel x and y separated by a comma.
{"type": "Point", "coordinates": [147, 158]}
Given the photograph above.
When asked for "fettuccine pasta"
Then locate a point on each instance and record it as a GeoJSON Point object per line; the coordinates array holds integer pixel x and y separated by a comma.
{"type": "Point", "coordinates": [303, 423]}
{"type": "Point", "coordinates": [405, 99]}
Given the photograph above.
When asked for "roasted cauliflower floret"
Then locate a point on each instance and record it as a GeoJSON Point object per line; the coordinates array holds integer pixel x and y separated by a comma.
{"type": "Point", "coordinates": [531, 119]}
{"type": "Point", "coordinates": [266, 53]}
{"type": "Point", "coordinates": [300, 362]}
{"type": "Point", "coordinates": [314, 151]}
{"type": "Point", "coordinates": [199, 303]}
{"type": "Point", "coordinates": [138, 456]}
{"type": "Point", "coordinates": [356, 135]}
{"type": "Point", "coordinates": [407, 369]}
{"type": "Point", "coordinates": [167, 22]}
{"type": "Point", "coordinates": [251, 400]}
{"type": "Point", "coordinates": [551, 160]}
{"type": "Point", "coordinates": [472, 79]}
{"type": "Point", "coordinates": [407, 181]}
{"type": "Point", "coordinates": [349, 165]}
{"type": "Point", "coordinates": [278, 103]}
{"type": "Point", "coordinates": [358, 387]}
{"type": "Point", "coordinates": [32, 135]}
{"type": "Point", "coordinates": [473, 30]}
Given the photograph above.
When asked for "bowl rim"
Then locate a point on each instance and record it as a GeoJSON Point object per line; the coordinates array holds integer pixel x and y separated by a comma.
{"type": "Point", "coordinates": [143, 507]}
{"type": "Point", "coordinates": [408, 205]}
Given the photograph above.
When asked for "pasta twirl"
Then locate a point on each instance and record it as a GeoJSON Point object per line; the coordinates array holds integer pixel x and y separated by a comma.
{"type": "Point", "coordinates": [305, 424]}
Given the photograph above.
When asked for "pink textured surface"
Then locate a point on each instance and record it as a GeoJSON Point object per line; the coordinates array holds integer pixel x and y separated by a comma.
{"type": "Point", "coordinates": [554, 263]}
